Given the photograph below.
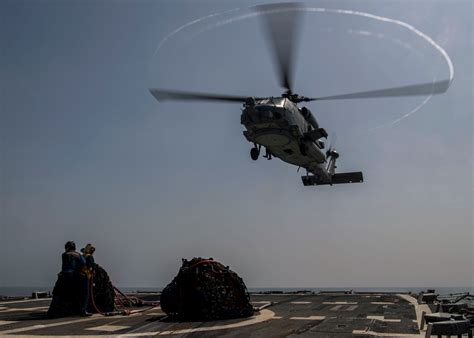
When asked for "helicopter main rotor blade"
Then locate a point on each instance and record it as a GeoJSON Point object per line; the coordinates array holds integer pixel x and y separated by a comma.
{"type": "Point", "coordinates": [412, 90]}
{"type": "Point", "coordinates": [163, 95]}
{"type": "Point", "coordinates": [281, 24]}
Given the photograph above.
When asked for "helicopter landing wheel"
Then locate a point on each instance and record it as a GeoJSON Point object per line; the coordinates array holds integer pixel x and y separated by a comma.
{"type": "Point", "coordinates": [254, 153]}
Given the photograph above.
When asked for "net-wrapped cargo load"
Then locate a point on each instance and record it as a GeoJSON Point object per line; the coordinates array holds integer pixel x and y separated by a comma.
{"type": "Point", "coordinates": [102, 291]}
{"type": "Point", "coordinates": [68, 294]}
{"type": "Point", "coordinates": [205, 290]}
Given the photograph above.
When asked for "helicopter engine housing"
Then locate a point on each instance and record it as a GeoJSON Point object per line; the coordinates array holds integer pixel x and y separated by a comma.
{"type": "Point", "coordinates": [309, 117]}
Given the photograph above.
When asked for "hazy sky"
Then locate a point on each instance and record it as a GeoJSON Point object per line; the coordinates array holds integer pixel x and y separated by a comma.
{"type": "Point", "coordinates": [87, 154]}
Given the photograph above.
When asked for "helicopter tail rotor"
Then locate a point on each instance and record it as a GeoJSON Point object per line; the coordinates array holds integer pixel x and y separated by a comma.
{"type": "Point", "coordinates": [332, 155]}
{"type": "Point", "coordinates": [331, 152]}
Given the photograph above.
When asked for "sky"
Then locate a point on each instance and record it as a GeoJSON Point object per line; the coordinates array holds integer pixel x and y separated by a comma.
{"type": "Point", "coordinates": [87, 154]}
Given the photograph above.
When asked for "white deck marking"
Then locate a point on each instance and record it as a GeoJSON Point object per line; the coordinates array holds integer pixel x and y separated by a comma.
{"type": "Point", "coordinates": [140, 334]}
{"type": "Point", "coordinates": [382, 318]}
{"type": "Point", "coordinates": [342, 303]}
{"type": "Point", "coordinates": [261, 307]}
{"type": "Point", "coordinates": [108, 328]}
{"type": "Point", "coordinates": [264, 315]}
{"type": "Point", "coordinates": [352, 308]}
{"type": "Point", "coordinates": [25, 301]}
{"type": "Point", "coordinates": [382, 303]}
{"type": "Point", "coordinates": [300, 303]}
{"type": "Point", "coordinates": [392, 320]}
{"type": "Point", "coordinates": [21, 309]}
{"type": "Point", "coordinates": [335, 308]}
{"type": "Point", "coordinates": [380, 334]}
{"type": "Point", "coordinates": [6, 322]}
{"type": "Point", "coordinates": [140, 311]}
{"type": "Point", "coordinates": [419, 308]}
{"type": "Point", "coordinates": [34, 327]}
{"type": "Point", "coordinates": [261, 302]}
{"type": "Point", "coordinates": [309, 318]}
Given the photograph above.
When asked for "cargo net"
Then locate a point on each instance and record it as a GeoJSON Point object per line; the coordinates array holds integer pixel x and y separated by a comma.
{"type": "Point", "coordinates": [104, 297]}
{"type": "Point", "coordinates": [102, 293]}
{"type": "Point", "coordinates": [205, 290]}
{"type": "Point", "coordinates": [69, 293]}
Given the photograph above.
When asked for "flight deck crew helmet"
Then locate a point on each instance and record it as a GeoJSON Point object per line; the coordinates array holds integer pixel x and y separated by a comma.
{"type": "Point", "coordinates": [70, 246]}
{"type": "Point", "coordinates": [89, 249]}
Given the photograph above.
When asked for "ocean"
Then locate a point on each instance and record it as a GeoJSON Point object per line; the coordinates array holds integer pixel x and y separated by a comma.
{"type": "Point", "coordinates": [24, 291]}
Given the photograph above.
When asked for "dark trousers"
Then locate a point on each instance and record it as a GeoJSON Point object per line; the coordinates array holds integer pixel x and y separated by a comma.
{"type": "Point", "coordinates": [84, 285]}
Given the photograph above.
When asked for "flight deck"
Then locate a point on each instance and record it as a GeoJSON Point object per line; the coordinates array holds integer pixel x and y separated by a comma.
{"type": "Point", "coordinates": [278, 315]}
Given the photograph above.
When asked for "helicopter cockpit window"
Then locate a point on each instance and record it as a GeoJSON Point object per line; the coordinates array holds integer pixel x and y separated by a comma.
{"type": "Point", "coordinates": [263, 108]}
{"type": "Point", "coordinates": [264, 111]}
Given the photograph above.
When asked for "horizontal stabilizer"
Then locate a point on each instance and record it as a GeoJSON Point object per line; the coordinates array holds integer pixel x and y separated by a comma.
{"type": "Point", "coordinates": [354, 177]}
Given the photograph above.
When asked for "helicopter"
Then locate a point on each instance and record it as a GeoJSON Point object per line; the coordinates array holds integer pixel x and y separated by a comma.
{"type": "Point", "coordinates": [278, 124]}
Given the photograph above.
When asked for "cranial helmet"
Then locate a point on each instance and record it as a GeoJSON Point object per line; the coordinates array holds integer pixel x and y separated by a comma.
{"type": "Point", "coordinates": [89, 249]}
{"type": "Point", "coordinates": [70, 245]}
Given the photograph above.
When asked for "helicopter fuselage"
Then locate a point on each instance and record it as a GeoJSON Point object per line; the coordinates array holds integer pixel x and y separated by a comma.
{"type": "Point", "coordinates": [287, 132]}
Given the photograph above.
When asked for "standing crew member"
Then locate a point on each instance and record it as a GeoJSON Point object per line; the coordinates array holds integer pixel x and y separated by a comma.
{"type": "Point", "coordinates": [87, 253]}
{"type": "Point", "coordinates": [72, 264]}
{"type": "Point", "coordinates": [70, 259]}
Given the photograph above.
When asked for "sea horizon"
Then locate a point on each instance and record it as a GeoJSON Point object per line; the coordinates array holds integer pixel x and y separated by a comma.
{"type": "Point", "coordinates": [25, 291]}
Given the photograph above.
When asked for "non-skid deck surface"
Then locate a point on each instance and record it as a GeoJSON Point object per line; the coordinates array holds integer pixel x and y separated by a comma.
{"type": "Point", "coordinates": [320, 315]}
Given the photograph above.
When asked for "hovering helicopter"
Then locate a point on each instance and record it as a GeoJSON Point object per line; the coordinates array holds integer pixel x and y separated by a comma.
{"type": "Point", "coordinates": [278, 124]}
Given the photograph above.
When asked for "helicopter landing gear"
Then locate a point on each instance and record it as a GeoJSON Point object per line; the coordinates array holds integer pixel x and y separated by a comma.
{"type": "Point", "coordinates": [254, 153]}
{"type": "Point", "coordinates": [268, 154]}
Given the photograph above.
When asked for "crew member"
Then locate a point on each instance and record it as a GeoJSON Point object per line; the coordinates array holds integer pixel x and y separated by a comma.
{"type": "Point", "coordinates": [72, 265]}
{"type": "Point", "coordinates": [70, 259]}
{"type": "Point", "coordinates": [87, 253]}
